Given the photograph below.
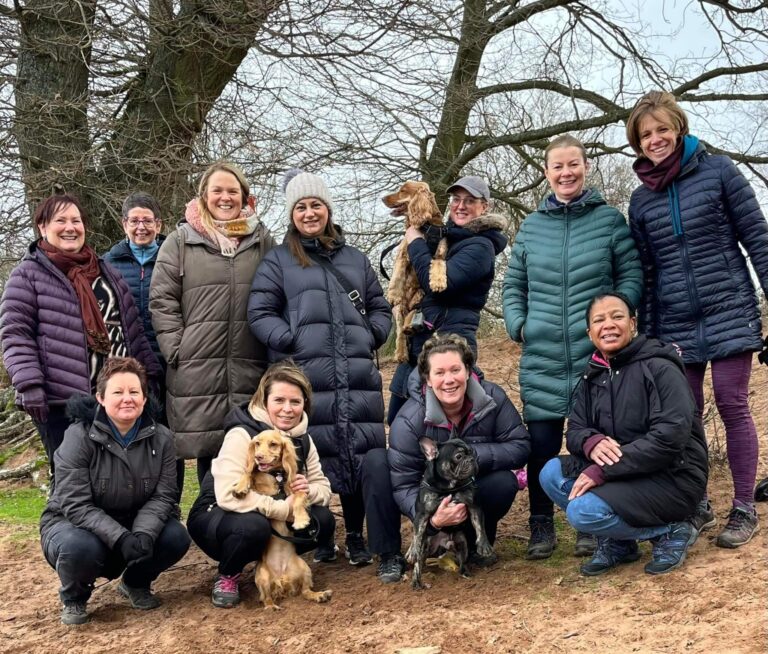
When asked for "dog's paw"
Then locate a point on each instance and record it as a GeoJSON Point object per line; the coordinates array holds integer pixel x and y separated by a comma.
{"type": "Point", "coordinates": [484, 548]}
{"type": "Point", "coordinates": [412, 554]}
{"type": "Point", "coordinates": [239, 492]}
{"type": "Point", "coordinates": [324, 596]}
{"type": "Point", "coordinates": [271, 606]}
{"type": "Point", "coordinates": [417, 584]}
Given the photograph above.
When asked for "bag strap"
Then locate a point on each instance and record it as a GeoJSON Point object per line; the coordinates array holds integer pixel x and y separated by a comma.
{"type": "Point", "coordinates": [352, 293]}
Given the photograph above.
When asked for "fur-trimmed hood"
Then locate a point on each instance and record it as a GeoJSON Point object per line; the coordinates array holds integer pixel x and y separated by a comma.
{"type": "Point", "coordinates": [489, 225]}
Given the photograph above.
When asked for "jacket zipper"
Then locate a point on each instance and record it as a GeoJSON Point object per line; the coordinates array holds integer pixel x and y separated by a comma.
{"type": "Point", "coordinates": [566, 337]}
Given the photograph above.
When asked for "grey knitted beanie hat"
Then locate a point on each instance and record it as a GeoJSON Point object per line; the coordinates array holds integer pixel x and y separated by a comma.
{"type": "Point", "coordinates": [298, 185]}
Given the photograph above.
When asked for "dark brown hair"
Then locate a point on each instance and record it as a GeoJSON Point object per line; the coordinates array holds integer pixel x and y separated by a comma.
{"type": "Point", "coordinates": [440, 343]}
{"type": "Point", "coordinates": [662, 106]}
{"type": "Point", "coordinates": [293, 238]}
{"type": "Point", "coordinates": [116, 365]}
{"type": "Point", "coordinates": [47, 209]}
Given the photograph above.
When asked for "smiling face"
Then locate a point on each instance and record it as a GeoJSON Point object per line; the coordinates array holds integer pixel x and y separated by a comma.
{"type": "Point", "coordinates": [658, 136]}
{"type": "Point", "coordinates": [566, 169]}
{"type": "Point", "coordinates": [310, 217]}
{"type": "Point", "coordinates": [448, 378]}
{"type": "Point", "coordinates": [611, 328]}
{"type": "Point", "coordinates": [285, 405]}
{"type": "Point", "coordinates": [223, 196]}
{"type": "Point", "coordinates": [141, 226]}
{"type": "Point", "coordinates": [123, 400]}
{"type": "Point", "coordinates": [65, 230]}
{"type": "Point", "coordinates": [464, 207]}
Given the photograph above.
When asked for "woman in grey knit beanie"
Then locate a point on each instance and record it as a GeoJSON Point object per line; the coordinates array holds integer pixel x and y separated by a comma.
{"type": "Point", "coordinates": [298, 308]}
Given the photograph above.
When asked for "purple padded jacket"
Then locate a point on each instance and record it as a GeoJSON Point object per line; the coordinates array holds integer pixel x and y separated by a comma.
{"type": "Point", "coordinates": [42, 332]}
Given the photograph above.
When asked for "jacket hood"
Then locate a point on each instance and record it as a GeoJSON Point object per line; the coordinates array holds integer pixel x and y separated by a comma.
{"type": "Point", "coordinates": [639, 349]}
{"type": "Point", "coordinates": [489, 225]}
{"type": "Point", "coordinates": [240, 416]}
{"type": "Point", "coordinates": [588, 202]}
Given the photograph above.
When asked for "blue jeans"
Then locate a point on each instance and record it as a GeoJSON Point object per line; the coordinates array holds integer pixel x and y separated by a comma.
{"type": "Point", "coordinates": [589, 513]}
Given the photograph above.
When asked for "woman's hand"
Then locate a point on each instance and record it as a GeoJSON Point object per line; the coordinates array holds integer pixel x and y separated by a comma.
{"type": "Point", "coordinates": [448, 514]}
{"type": "Point", "coordinates": [300, 484]}
{"type": "Point", "coordinates": [582, 484]}
{"type": "Point", "coordinates": [412, 233]}
{"type": "Point", "coordinates": [606, 452]}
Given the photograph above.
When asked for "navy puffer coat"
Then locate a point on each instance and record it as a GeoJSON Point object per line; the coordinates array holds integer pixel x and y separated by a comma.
{"type": "Point", "coordinates": [470, 268]}
{"type": "Point", "coordinates": [42, 331]}
{"type": "Point", "coordinates": [494, 429]}
{"type": "Point", "coordinates": [305, 314]}
{"type": "Point", "coordinates": [138, 277]}
{"type": "Point", "coordinates": [698, 289]}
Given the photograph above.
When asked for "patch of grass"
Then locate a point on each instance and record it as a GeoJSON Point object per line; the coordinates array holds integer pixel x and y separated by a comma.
{"type": "Point", "coordinates": [22, 506]}
{"type": "Point", "coordinates": [191, 488]}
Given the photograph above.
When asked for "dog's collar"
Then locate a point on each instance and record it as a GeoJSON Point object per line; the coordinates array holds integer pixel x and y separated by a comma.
{"type": "Point", "coordinates": [280, 478]}
{"type": "Point", "coordinates": [443, 491]}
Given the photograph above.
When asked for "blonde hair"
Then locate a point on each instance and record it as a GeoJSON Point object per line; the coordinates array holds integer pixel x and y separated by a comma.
{"type": "Point", "coordinates": [564, 141]}
{"type": "Point", "coordinates": [662, 106]}
{"type": "Point", "coordinates": [202, 189]}
{"type": "Point", "coordinates": [287, 372]}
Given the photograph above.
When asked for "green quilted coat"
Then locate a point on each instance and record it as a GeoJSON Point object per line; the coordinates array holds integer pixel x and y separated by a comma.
{"type": "Point", "coordinates": [562, 257]}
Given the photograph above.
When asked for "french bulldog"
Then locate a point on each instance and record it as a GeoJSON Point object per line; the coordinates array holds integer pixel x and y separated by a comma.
{"type": "Point", "coordinates": [450, 470]}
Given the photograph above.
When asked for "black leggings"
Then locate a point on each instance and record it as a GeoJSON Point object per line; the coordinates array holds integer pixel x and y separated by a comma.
{"type": "Point", "coordinates": [546, 441]}
{"type": "Point", "coordinates": [236, 539]}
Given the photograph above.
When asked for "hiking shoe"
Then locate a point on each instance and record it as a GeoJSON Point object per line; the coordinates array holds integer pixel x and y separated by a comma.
{"type": "Point", "coordinates": [586, 544]}
{"type": "Point", "coordinates": [543, 539]}
{"type": "Point", "coordinates": [670, 549]}
{"type": "Point", "coordinates": [609, 554]}
{"type": "Point", "coordinates": [357, 552]}
{"type": "Point", "coordinates": [483, 561]}
{"type": "Point", "coordinates": [226, 591]}
{"type": "Point", "coordinates": [73, 612]}
{"type": "Point", "coordinates": [742, 525]}
{"type": "Point", "coordinates": [325, 553]}
{"type": "Point", "coordinates": [140, 598]}
{"type": "Point", "coordinates": [391, 568]}
{"type": "Point", "coordinates": [703, 518]}
{"type": "Point", "coordinates": [761, 491]}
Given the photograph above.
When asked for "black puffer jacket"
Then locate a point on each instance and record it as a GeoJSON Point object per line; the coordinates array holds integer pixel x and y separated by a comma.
{"type": "Point", "coordinates": [644, 402]}
{"type": "Point", "coordinates": [698, 290]}
{"type": "Point", "coordinates": [109, 489]}
{"type": "Point", "coordinates": [494, 429]}
{"type": "Point", "coordinates": [304, 313]}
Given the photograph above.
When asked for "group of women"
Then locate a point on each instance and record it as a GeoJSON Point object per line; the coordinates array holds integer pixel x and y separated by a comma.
{"type": "Point", "coordinates": [226, 302]}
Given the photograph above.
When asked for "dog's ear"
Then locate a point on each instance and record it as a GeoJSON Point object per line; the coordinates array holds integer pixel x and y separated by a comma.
{"type": "Point", "coordinates": [422, 204]}
{"type": "Point", "coordinates": [289, 461]}
{"type": "Point", "coordinates": [429, 447]}
{"type": "Point", "coordinates": [250, 459]}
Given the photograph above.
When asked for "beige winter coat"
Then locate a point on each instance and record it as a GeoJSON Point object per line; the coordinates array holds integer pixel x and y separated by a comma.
{"type": "Point", "coordinates": [229, 467]}
{"type": "Point", "coordinates": [198, 301]}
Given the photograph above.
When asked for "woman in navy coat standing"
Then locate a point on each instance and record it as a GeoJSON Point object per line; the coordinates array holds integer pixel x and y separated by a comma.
{"type": "Point", "coordinates": [299, 308]}
{"type": "Point", "coordinates": [689, 218]}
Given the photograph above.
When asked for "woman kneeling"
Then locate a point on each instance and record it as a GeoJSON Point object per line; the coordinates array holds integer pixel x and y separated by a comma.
{"type": "Point", "coordinates": [638, 462]}
{"type": "Point", "coordinates": [114, 494]}
{"type": "Point", "coordinates": [234, 529]}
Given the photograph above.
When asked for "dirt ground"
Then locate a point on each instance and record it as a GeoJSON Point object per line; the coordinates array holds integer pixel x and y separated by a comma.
{"type": "Point", "coordinates": [715, 603]}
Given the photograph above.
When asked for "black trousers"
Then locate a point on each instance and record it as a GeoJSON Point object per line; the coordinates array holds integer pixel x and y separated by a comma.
{"type": "Point", "coordinates": [80, 557]}
{"type": "Point", "coordinates": [52, 431]}
{"type": "Point", "coordinates": [381, 512]}
{"type": "Point", "coordinates": [236, 539]}
{"type": "Point", "coordinates": [495, 493]}
{"type": "Point", "coordinates": [546, 441]}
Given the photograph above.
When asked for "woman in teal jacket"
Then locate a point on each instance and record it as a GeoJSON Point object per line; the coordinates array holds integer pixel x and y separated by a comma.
{"type": "Point", "coordinates": [569, 250]}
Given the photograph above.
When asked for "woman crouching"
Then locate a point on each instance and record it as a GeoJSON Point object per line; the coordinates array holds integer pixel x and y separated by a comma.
{"type": "Point", "coordinates": [234, 529]}
{"type": "Point", "coordinates": [638, 456]}
{"type": "Point", "coordinates": [114, 495]}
